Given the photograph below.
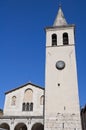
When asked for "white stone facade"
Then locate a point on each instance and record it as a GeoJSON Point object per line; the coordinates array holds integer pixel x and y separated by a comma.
{"type": "Point", "coordinates": [16, 110]}
{"type": "Point", "coordinates": [62, 110]}
{"type": "Point", "coordinates": [14, 116]}
{"type": "Point", "coordinates": [25, 107]}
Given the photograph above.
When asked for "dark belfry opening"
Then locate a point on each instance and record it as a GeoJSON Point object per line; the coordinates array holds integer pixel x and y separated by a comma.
{"type": "Point", "coordinates": [54, 40]}
{"type": "Point", "coordinates": [65, 39]}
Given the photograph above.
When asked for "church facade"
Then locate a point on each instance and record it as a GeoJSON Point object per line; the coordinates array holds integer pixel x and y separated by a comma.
{"type": "Point", "coordinates": [23, 108]}
{"type": "Point", "coordinates": [31, 107]}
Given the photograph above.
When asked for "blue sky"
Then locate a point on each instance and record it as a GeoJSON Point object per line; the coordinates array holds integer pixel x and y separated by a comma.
{"type": "Point", "coordinates": [22, 41]}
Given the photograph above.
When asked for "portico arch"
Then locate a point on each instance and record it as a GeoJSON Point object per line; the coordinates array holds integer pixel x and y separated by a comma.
{"type": "Point", "coordinates": [38, 126]}
{"type": "Point", "coordinates": [5, 126]}
{"type": "Point", "coordinates": [20, 126]}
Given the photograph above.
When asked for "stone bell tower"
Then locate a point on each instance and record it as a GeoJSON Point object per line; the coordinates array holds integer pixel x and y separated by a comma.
{"type": "Point", "coordinates": [62, 110]}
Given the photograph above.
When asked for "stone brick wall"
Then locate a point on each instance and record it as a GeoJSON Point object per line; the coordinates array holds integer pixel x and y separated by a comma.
{"type": "Point", "coordinates": [64, 122]}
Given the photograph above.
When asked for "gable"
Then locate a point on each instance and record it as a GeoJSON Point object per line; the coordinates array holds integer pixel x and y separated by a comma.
{"type": "Point", "coordinates": [26, 86]}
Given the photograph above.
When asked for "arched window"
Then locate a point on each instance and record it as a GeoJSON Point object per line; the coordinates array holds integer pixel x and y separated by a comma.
{"type": "Point", "coordinates": [42, 100]}
{"type": "Point", "coordinates": [13, 102]}
{"type": "Point", "coordinates": [54, 40]}
{"type": "Point", "coordinates": [31, 106]}
{"type": "Point", "coordinates": [27, 107]}
{"type": "Point", "coordinates": [65, 39]}
{"type": "Point", "coordinates": [28, 95]}
{"type": "Point", "coordinates": [23, 107]}
{"type": "Point", "coordinates": [28, 100]}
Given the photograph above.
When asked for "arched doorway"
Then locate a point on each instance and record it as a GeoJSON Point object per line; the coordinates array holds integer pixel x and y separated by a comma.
{"type": "Point", "coordinates": [38, 126]}
{"type": "Point", "coordinates": [20, 126]}
{"type": "Point", "coordinates": [5, 126]}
